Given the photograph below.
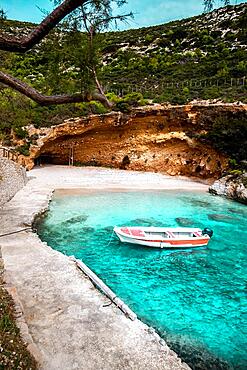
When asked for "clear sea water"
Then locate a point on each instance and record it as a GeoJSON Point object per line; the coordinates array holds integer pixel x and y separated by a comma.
{"type": "Point", "coordinates": [196, 299]}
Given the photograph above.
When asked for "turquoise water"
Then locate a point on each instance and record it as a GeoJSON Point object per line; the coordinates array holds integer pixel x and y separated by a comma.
{"type": "Point", "coordinates": [196, 299]}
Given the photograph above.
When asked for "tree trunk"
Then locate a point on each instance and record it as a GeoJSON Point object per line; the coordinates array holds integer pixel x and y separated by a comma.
{"type": "Point", "coordinates": [14, 44]}
{"type": "Point", "coordinates": [33, 94]}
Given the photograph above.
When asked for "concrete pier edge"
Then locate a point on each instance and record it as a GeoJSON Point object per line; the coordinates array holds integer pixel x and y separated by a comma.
{"type": "Point", "coordinates": [11, 222]}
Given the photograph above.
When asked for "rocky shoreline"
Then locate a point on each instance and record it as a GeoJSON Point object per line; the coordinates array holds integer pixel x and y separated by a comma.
{"type": "Point", "coordinates": [233, 186]}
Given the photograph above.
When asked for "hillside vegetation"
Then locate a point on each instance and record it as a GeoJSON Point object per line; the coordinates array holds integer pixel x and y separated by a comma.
{"type": "Point", "coordinates": [201, 57]}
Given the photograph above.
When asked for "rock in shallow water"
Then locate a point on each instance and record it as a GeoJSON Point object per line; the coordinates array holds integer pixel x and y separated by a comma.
{"type": "Point", "coordinates": [195, 355]}
{"type": "Point", "coordinates": [75, 219]}
{"type": "Point", "coordinates": [184, 222]}
{"type": "Point", "coordinates": [221, 218]}
{"type": "Point", "coordinates": [238, 211]}
{"type": "Point", "coordinates": [146, 222]}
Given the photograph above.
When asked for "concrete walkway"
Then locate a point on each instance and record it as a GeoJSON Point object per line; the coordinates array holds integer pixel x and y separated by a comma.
{"type": "Point", "coordinates": [66, 317]}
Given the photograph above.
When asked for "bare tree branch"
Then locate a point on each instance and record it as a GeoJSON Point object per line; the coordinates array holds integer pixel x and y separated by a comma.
{"type": "Point", "coordinates": [33, 94]}
{"type": "Point", "coordinates": [120, 17]}
{"type": "Point", "coordinates": [14, 44]}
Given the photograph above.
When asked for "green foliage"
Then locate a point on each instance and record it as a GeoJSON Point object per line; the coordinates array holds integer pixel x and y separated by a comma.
{"type": "Point", "coordinates": [6, 323]}
{"type": "Point", "coordinates": [23, 149]}
{"type": "Point", "coordinates": [16, 111]}
{"type": "Point", "coordinates": [148, 38]}
{"type": "Point", "coordinates": [179, 51]}
{"type": "Point", "coordinates": [235, 172]}
{"type": "Point", "coordinates": [232, 163]}
{"type": "Point", "coordinates": [186, 91]}
{"type": "Point", "coordinates": [97, 107]}
{"type": "Point", "coordinates": [133, 99]}
{"type": "Point", "coordinates": [123, 106]}
{"type": "Point", "coordinates": [173, 97]}
{"type": "Point", "coordinates": [83, 108]}
{"type": "Point", "coordinates": [212, 92]}
{"type": "Point", "coordinates": [229, 136]}
{"type": "Point", "coordinates": [130, 100]}
{"type": "Point", "coordinates": [112, 97]}
{"type": "Point", "coordinates": [14, 354]}
{"type": "Point", "coordinates": [20, 132]}
{"type": "Point", "coordinates": [151, 60]}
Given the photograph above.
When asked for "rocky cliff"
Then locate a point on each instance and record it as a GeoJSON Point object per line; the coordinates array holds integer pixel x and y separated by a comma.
{"type": "Point", "coordinates": [153, 138]}
{"type": "Point", "coordinates": [232, 186]}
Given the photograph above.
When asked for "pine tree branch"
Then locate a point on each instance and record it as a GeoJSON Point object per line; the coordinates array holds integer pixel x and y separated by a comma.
{"type": "Point", "coordinates": [14, 44]}
{"type": "Point", "coordinates": [209, 4]}
{"type": "Point", "coordinates": [41, 99]}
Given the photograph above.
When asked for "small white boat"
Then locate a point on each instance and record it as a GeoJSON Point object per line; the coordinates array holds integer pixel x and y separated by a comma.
{"type": "Point", "coordinates": [164, 237]}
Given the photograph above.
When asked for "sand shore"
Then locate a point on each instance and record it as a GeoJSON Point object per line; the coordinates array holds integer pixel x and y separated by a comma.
{"type": "Point", "coordinates": [63, 317]}
{"type": "Point", "coordinates": [65, 177]}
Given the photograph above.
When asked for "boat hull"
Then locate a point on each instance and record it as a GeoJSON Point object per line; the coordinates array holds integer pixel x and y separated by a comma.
{"type": "Point", "coordinates": [173, 243]}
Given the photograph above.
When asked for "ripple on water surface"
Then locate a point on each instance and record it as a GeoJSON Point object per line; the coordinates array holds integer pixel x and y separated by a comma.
{"type": "Point", "coordinates": [195, 299]}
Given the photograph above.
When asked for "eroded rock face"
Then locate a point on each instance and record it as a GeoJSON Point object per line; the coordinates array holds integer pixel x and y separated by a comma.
{"type": "Point", "coordinates": [231, 186]}
{"type": "Point", "coordinates": [153, 138]}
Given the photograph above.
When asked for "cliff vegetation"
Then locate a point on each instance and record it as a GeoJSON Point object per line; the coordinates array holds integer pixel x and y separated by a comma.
{"type": "Point", "coordinates": [203, 57]}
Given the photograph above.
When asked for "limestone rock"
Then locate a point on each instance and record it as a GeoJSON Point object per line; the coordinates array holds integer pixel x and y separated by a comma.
{"type": "Point", "coordinates": [157, 138]}
{"type": "Point", "coordinates": [231, 186]}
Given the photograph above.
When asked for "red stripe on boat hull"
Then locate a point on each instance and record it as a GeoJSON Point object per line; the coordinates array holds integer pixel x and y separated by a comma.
{"type": "Point", "coordinates": [177, 242]}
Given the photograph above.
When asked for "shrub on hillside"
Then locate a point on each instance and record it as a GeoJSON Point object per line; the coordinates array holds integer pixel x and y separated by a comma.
{"type": "Point", "coordinates": [113, 97]}
{"type": "Point", "coordinates": [20, 132]}
{"type": "Point", "coordinates": [123, 107]}
{"type": "Point", "coordinates": [230, 136]}
{"type": "Point", "coordinates": [24, 149]}
{"type": "Point", "coordinates": [97, 107]}
{"type": "Point", "coordinates": [134, 99]}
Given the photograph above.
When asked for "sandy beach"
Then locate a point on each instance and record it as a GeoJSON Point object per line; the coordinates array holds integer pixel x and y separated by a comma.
{"type": "Point", "coordinates": [65, 177]}
{"type": "Point", "coordinates": [63, 317]}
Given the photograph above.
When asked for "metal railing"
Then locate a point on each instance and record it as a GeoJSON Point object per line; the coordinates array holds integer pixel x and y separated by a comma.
{"type": "Point", "coordinates": [9, 154]}
{"type": "Point", "coordinates": [122, 88]}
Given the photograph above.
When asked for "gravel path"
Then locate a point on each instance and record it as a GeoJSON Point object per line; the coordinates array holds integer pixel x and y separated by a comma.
{"type": "Point", "coordinates": [64, 318]}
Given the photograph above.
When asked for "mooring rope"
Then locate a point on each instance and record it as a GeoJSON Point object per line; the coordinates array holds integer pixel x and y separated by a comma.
{"type": "Point", "coordinates": [16, 232]}
{"type": "Point", "coordinates": [110, 238]}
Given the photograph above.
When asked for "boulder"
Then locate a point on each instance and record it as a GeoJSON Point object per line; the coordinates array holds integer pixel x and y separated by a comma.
{"type": "Point", "coordinates": [233, 186]}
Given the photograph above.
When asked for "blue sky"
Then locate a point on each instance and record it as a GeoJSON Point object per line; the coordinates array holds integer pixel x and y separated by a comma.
{"type": "Point", "coordinates": [147, 13]}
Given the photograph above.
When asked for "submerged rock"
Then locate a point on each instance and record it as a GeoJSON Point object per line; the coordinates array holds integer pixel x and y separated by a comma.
{"type": "Point", "coordinates": [237, 211]}
{"type": "Point", "coordinates": [183, 221]}
{"type": "Point", "coordinates": [108, 229]}
{"type": "Point", "coordinates": [221, 218]}
{"type": "Point", "coordinates": [195, 355]}
{"type": "Point", "coordinates": [75, 219]}
{"type": "Point", "coordinates": [201, 203]}
{"type": "Point", "coordinates": [146, 222]}
{"type": "Point", "coordinates": [87, 229]}
{"type": "Point", "coordinates": [231, 186]}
